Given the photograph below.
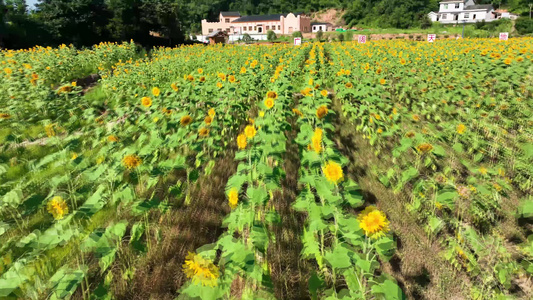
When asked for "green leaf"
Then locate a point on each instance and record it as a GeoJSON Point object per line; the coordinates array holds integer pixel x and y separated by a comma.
{"type": "Point", "coordinates": [409, 174]}
{"type": "Point", "coordinates": [389, 290]}
{"type": "Point", "coordinates": [338, 258]}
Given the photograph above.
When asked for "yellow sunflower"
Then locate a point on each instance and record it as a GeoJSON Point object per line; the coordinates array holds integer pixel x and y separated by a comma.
{"type": "Point", "coordinates": [373, 222]}
{"type": "Point", "coordinates": [324, 93]}
{"type": "Point", "coordinates": [322, 111]}
{"type": "Point", "coordinates": [131, 161]}
{"type": "Point", "coordinates": [190, 78]}
{"type": "Point", "coordinates": [5, 116]}
{"type": "Point", "coordinates": [349, 85]}
{"type": "Point", "coordinates": [461, 128]}
{"type": "Point", "coordinates": [250, 131]}
{"type": "Point", "coordinates": [174, 87]}
{"type": "Point", "coordinates": [272, 94]}
{"type": "Point", "coordinates": [146, 101]}
{"type": "Point", "coordinates": [156, 91]}
{"type": "Point", "coordinates": [233, 198]}
{"type": "Point", "coordinates": [424, 148]}
{"type": "Point", "coordinates": [211, 112]}
{"type": "Point", "coordinates": [208, 120]}
{"type": "Point", "coordinates": [203, 132]}
{"type": "Point", "coordinates": [200, 270]}
{"type": "Point", "coordinates": [333, 172]}
{"type": "Point", "coordinates": [57, 207]}
{"type": "Point", "coordinates": [112, 138]}
{"type": "Point", "coordinates": [241, 141]}
{"type": "Point", "coordinates": [269, 103]}
{"type": "Point", "coordinates": [185, 120]}
{"type": "Point", "coordinates": [231, 79]}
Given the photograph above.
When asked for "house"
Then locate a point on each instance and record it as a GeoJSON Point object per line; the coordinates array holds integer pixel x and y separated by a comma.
{"type": "Point", "coordinates": [457, 11]}
{"type": "Point", "coordinates": [217, 37]}
{"type": "Point", "coordinates": [316, 27]}
{"type": "Point", "coordinates": [234, 23]}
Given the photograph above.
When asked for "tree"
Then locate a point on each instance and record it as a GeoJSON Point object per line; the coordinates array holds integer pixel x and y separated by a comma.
{"type": "Point", "coordinates": [271, 35]}
{"type": "Point", "coordinates": [319, 35]}
{"type": "Point", "coordinates": [341, 37]}
{"type": "Point", "coordinates": [297, 34]}
{"type": "Point", "coordinates": [524, 25]}
{"type": "Point", "coordinates": [246, 38]}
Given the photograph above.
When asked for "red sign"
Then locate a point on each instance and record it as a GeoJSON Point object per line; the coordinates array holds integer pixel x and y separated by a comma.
{"type": "Point", "coordinates": [432, 37]}
{"type": "Point", "coordinates": [362, 39]}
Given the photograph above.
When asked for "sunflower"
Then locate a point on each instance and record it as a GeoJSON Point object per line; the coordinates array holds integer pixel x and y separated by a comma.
{"type": "Point", "coordinates": [241, 141]}
{"type": "Point", "coordinates": [424, 148]}
{"type": "Point", "coordinates": [231, 79]}
{"type": "Point", "coordinates": [208, 120]}
{"type": "Point", "coordinates": [461, 128]}
{"type": "Point", "coordinates": [190, 78]}
{"type": "Point", "coordinates": [402, 61]}
{"type": "Point", "coordinates": [269, 103]}
{"type": "Point", "coordinates": [333, 172]}
{"type": "Point", "coordinates": [373, 222]}
{"type": "Point", "coordinates": [382, 81]}
{"type": "Point", "coordinates": [203, 132]}
{"type": "Point", "coordinates": [410, 134]}
{"type": "Point", "coordinates": [200, 270]}
{"type": "Point", "coordinates": [211, 112]}
{"type": "Point", "coordinates": [316, 141]}
{"type": "Point", "coordinates": [57, 207]}
{"type": "Point", "coordinates": [5, 116]}
{"type": "Point", "coordinates": [8, 70]}
{"type": "Point", "coordinates": [50, 132]}
{"type": "Point", "coordinates": [131, 161]}
{"type": "Point", "coordinates": [222, 76]}
{"type": "Point", "coordinates": [297, 111]}
{"type": "Point", "coordinates": [272, 94]}
{"type": "Point", "coordinates": [202, 79]}
{"type": "Point", "coordinates": [200, 71]}
{"type": "Point", "coordinates": [261, 114]}
{"type": "Point", "coordinates": [349, 85]}
{"type": "Point", "coordinates": [322, 111]}
{"type": "Point", "coordinates": [243, 70]}
{"type": "Point", "coordinates": [156, 91]}
{"type": "Point", "coordinates": [250, 131]}
{"type": "Point", "coordinates": [233, 198]}
{"type": "Point", "coordinates": [185, 120]}
{"type": "Point", "coordinates": [146, 101]}
{"type": "Point", "coordinates": [174, 87]}
{"type": "Point", "coordinates": [65, 89]}
{"type": "Point", "coordinates": [508, 61]}
{"type": "Point", "coordinates": [112, 138]}
{"type": "Point", "coordinates": [219, 85]}
{"type": "Point", "coordinates": [416, 118]}
{"type": "Point", "coordinates": [483, 171]}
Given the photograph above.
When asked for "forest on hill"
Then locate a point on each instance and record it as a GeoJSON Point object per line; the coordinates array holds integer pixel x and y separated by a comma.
{"type": "Point", "coordinates": [86, 22]}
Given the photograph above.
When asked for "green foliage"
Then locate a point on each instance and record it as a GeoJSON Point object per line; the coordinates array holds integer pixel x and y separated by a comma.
{"type": "Point", "coordinates": [425, 22]}
{"type": "Point", "coordinates": [297, 34]}
{"type": "Point", "coordinates": [341, 36]}
{"type": "Point", "coordinates": [246, 38]}
{"type": "Point", "coordinates": [524, 25]}
{"type": "Point", "coordinates": [319, 35]}
{"type": "Point", "coordinates": [271, 35]}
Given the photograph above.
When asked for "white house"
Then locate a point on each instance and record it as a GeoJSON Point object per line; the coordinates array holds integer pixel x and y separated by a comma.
{"type": "Point", "coordinates": [316, 27]}
{"type": "Point", "coordinates": [457, 11]}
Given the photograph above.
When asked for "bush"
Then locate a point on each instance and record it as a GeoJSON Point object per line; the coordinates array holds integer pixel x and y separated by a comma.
{"type": "Point", "coordinates": [319, 35]}
{"type": "Point", "coordinates": [246, 38]}
{"type": "Point", "coordinates": [348, 36]}
{"type": "Point", "coordinates": [524, 25]}
{"type": "Point", "coordinates": [425, 22]}
{"type": "Point", "coordinates": [297, 34]}
{"type": "Point", "coordinates": [271, 35]}
{"type": "Point", "coordinates": [341, 37]}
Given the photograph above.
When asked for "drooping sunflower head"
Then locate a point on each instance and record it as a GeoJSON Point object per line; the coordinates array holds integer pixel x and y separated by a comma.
{"type": "Point", "coordinates": [156, 91]}
{"type": "Point", "coordinates": [174, 87]}
{"type": "Point", "coordinates": [250, 131]}
{"type": "Point", "coordinates": [333, 172]}
{"type": "Point", "coordinates": [272, 94]}
{"type": "Point", "coordinates": [5, 116]}
{"type": "Point", "coordinates": [316, 143]}
{"type": "Point", "coordinates": [269, 103]}
{"type": "Point", "coordinates": [131, 161]}
{"type": "Point", "coordinates": [349, 85]}
{"type": "Point", "coordinates": [461, 128]}
{"type": "Point", "coordinates": [322, 111]}
{"type": "Point", "coordinates": [373, 222]}
{"type": "Point", "coordinates": [241, 141]}
{"type": "Point", "coordinates": [233, 198]}
{"type": "Point", "coordinates": [297, 111]}
{"type": "Point", "coordinates": [203, 132]}
{"type": "Point", "coordinates": [57, 207]}
{"type": "Point", "coordinates": [208, 120]}
{"type": "Point", "coordinates": [185, 120]}
{"type": "Point", "coordinates": [146, 101]}
{"type": "Point", "coordinates": [424, 148]}
{"type": "Point", "coordinates": [200, 270]}
{"type": "Point", "coordinates": [410, 134]}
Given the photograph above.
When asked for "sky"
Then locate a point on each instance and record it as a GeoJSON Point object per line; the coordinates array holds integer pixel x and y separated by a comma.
{"type": "Point", "coordinates": [31, 3]}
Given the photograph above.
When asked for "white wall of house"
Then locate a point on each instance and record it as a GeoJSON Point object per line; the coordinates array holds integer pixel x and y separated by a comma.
{"type": "Point", "coordinates": [317, 28]}
{"type": "Point", "coordinates": [470, 16]}
{"type": "Point", "coordinates": [258, 27]}
{"type": "Point", "coordinates": [233, 37]}
{"type": "Point", "coordinates": [452, 6]}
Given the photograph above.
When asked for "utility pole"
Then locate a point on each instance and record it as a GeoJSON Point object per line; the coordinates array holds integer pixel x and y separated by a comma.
{"type": "Point", "coordinates": [463, 34]}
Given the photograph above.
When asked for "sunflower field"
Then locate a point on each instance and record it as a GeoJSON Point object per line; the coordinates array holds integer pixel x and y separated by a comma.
{"type": "Point", "coordinates": [385, 170]}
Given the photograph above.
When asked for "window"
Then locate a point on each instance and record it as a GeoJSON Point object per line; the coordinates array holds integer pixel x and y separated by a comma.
{"type": "Point", "coordinates": [444, 16]}
{"type": "Point", "coordinates": [227, 30]}
{"type": "Point", "coordinates": [227, 20]}
{"type": "Point", "coordinates": [456, 5]}
{"type": "Point", "coordinates": [267, 27]}
{"type": "Point", "coordinates": [314, 27]}
{"type": "Point", "coordinates": [210, 30]}
{"type": "Point", "coordinates": [219, 29]}
{"type": "Point", "coordinates": [255, 28]}
{"type": "Point", "coordinates": [290, 29]}
{"type": "Point", "coordinates": [467, 15]}
{"type": "Point", "coordinates": [279, 27]}
{"type": "Point", "coordinates": [474, 17]}
{"type": "Point", "coordinates": [305, 29]}
{"type": "Point", "coordinates": [250, 28]}
{"type": "Point", "coordinates": [445, 6]}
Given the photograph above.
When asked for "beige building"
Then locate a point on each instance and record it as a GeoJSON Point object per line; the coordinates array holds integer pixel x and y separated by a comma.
{"type": "Point", "coordinates": [233, 23]}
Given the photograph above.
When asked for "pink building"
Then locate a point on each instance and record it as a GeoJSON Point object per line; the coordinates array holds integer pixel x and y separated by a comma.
{"type": "Point", "coordinates": [233, 23]}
